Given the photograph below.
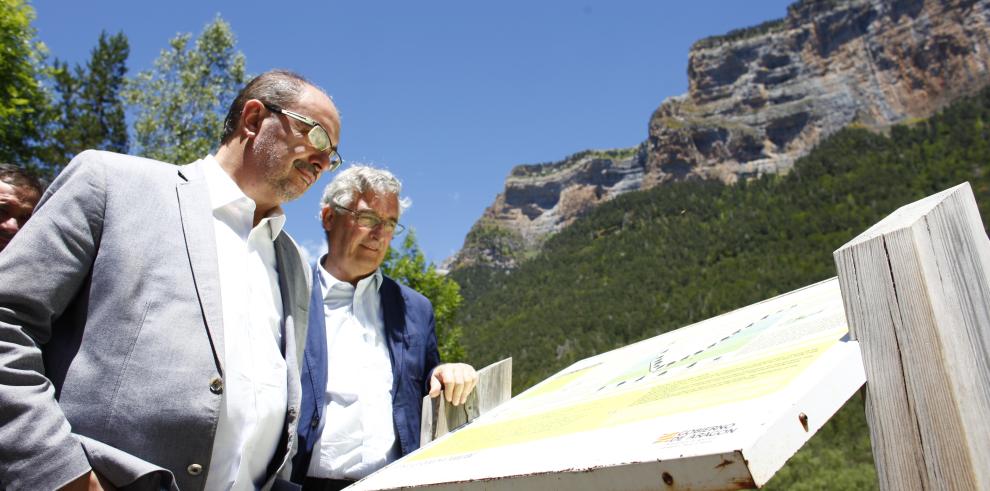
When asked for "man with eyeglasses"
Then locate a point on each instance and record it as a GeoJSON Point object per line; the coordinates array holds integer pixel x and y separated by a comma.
{"type": "Point", "coordinates": [371, 351]}
{"type": "Point", "coordinates": [152, 317]}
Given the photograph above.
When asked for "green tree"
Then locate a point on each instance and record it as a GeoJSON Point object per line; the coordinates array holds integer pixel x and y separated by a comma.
{"type": "Point", "coordinates": [101, 93]}
{"type": "Point", "coordinates": [23, 102]}
{"type": "Point", "coordinates": [181, 102]}
{"type": "Point", "coordinates": [89, 110]}
{"type": "Point", "coordinates": [408, 266]}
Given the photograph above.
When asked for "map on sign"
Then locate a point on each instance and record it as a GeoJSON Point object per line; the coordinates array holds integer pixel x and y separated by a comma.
{"type": "Point", "coordinates": [712, 388]}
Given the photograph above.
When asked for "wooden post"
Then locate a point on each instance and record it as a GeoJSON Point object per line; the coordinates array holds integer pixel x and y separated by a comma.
{"type": "Point", "coordinates": [917, 296]}
{"type": "Point", "coordinates": [440, 417]}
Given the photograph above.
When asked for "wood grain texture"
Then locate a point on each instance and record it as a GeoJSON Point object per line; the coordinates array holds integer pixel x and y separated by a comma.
{"type": "Point", "coordinates": [440, 417]}
{"type": "Point", "coordinates": [917, 297]}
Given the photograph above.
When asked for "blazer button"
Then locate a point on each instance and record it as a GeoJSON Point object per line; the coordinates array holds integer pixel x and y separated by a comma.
{"type": "Point", "coordinates": [315, 422]}
{"type": "Point", "coordinates": [216, 385]}
{"type": "Point", "coordinates": [194, 469]}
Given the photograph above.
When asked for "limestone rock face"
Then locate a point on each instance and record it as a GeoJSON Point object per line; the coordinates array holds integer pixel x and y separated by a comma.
{"type": "Point", "coordinates": [541, 199]}
{"type": "Point", "coordinates": [758, 99]}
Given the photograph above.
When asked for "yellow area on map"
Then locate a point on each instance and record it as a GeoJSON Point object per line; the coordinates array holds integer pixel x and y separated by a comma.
{"type": "Point", "coordinates": [738, 382]}
{"type": "Point", "coordinates": [556, 383]}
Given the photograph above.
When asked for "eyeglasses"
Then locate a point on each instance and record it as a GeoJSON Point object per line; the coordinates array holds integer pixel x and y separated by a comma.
{"type": "Point", "coordinates": [369, 220]}
{"type": "Point", "coordinates": [317, 136]}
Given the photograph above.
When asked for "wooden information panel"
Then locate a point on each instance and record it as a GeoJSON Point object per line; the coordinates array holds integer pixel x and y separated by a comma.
{"type": "Point", "coordinates": [721, 404]}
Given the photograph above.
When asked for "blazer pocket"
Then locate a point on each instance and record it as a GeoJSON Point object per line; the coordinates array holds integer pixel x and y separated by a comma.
{"type": "Point", "coordinates": [124, 470]}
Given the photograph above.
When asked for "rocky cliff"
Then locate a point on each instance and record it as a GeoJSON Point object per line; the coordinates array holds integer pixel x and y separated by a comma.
{"type": "Point", "coordinates": [758, 99]}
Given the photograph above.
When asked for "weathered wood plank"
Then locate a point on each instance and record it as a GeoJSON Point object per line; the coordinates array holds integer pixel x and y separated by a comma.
{"type": "Point", "coordinates": [917, 296]}
{"type": "Point", "coordinates": [874, 310]}
{"type": "Point", "coordinates": [440, 417]}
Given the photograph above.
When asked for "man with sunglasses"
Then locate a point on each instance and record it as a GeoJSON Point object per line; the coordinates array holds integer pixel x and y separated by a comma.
{"type": "Point", "coordinates": [371, 350]}
{"type": "Point", "coordinates": [152, 317]}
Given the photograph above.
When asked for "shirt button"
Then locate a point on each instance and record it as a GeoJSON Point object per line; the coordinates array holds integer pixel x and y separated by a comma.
{"type": "Point", "coordinates": [216, 385]}
{"type": "Point", "coordinates": [194, 469]}
{"type": "Point", "coordinates": [292, 414]}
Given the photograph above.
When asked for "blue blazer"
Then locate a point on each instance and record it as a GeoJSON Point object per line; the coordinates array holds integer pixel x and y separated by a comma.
{"type": "Point", "coordinates": [412, 346]}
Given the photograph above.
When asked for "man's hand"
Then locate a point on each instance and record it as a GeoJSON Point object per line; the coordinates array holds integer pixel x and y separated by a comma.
{"type": "Point", "coordinates": [456, 379]}
{"type": "Point", "coordinates": [89, 481]}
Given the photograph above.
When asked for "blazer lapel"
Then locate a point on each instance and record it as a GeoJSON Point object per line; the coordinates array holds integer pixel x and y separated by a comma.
{"type": "Point", "coordinates": [394, 312]}
{"type": "Point", "coordinates": [313, 375]}
{"type": "Point", "coordinates": [295, 302]}
{"type": "Point", "coordinates": [197, 228]}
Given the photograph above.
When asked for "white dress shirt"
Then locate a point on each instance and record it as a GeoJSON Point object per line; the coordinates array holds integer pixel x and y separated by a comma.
{"type": "Point", "coordinates": [252, 411]}
{"type": "Point", "coordinates": [359, 436]}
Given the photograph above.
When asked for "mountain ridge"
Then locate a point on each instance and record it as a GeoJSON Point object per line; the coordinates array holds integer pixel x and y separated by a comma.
{"type": "Point", "coordinates": [758, 99]}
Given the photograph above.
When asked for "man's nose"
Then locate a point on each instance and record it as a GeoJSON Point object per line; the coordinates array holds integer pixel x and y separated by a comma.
{"type": "Point", "coordinates": [378, 231]}
{"type": "Point", "coordinates": [320, 161]}
{"type": "Point", "coordinates": [10, 226]}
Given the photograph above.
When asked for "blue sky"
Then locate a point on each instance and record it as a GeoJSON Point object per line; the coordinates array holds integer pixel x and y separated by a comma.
{"type": "Point", "coordinates": [448, 95]}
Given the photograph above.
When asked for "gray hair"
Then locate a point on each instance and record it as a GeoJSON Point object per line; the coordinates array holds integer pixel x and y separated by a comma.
{"type": "Point", "coordinates": [280, 87]}
{"type": "Point", "coordinates": [361, 179]}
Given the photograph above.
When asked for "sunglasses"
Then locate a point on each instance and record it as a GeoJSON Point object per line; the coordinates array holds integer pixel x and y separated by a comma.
{"type": "Point", "coordinates": [317, 136]}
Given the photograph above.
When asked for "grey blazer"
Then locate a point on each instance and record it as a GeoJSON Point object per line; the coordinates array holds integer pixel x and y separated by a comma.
{"type": "Point", "coordinates": [111, 331]}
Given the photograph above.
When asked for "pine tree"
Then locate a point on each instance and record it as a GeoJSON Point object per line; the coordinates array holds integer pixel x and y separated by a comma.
{"type": "Point", "coordinates": [101, 93]}
{"type": "Point", "coordinates": [89, 110]}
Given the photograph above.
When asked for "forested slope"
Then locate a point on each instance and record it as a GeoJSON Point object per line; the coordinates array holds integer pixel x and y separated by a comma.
{"type": "Point", "coordinates": [652, 261]}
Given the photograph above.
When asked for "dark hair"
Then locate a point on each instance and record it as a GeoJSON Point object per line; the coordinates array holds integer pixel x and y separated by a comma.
{"type": "Point", "coordinates": [19, 177]}
{"type": "Point", "coordinates": [279, 87]}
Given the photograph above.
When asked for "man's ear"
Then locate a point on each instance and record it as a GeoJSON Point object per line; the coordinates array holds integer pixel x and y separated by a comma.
{"type": "Point", "coordinates": [326, 216]}
{"type": "Point", "coordinates": [252, 115]}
